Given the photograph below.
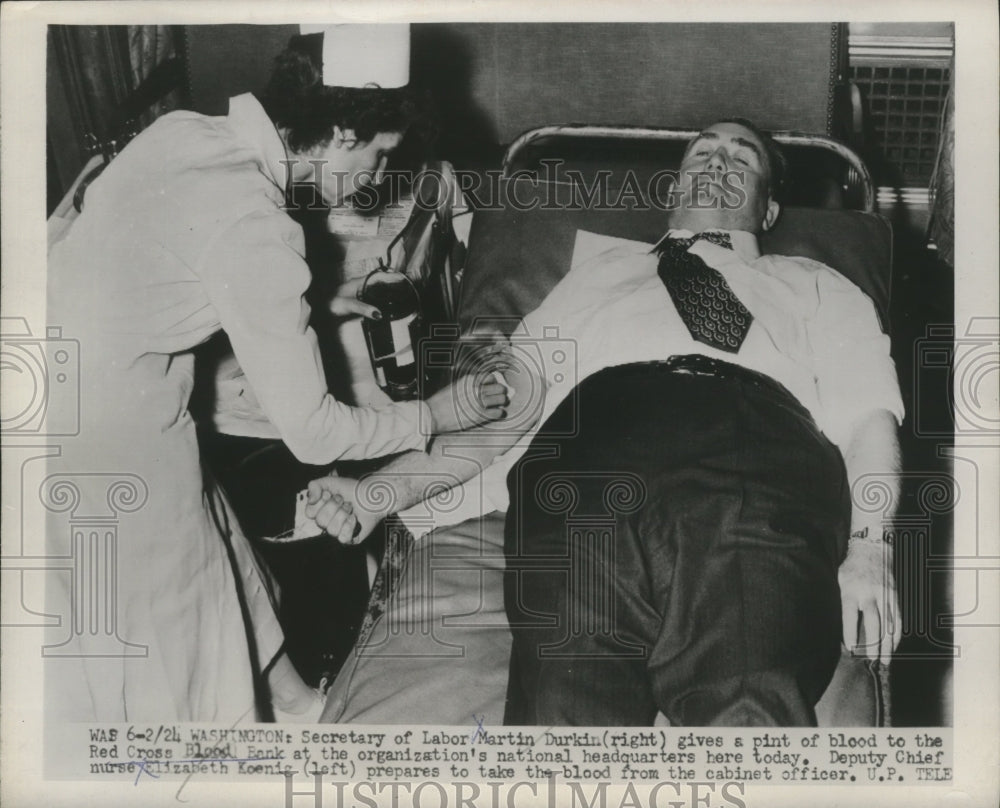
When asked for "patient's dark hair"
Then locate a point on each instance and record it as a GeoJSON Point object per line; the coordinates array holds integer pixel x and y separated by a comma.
{"type": "Point", "coordinates": [777, 163]}
{"type": "Point", "coordinates": [296, 99]}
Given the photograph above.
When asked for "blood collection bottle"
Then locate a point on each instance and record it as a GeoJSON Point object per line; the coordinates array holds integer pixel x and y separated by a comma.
{"type": "Point", "coordinates": [392, 340]}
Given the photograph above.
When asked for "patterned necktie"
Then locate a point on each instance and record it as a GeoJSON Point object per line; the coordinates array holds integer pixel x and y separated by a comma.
{"type": "Point", "coordinates": [709, 308]}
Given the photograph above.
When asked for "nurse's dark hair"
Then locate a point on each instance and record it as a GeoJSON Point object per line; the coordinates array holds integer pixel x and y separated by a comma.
{"type": "Point", "coordinates": [777, 163]}
{"type": "Point", "coordinates": [297, 100]}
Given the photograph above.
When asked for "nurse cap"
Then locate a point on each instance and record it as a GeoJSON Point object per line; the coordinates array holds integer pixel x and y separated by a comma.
{"type": "Point", "coordinates": [363, 54]}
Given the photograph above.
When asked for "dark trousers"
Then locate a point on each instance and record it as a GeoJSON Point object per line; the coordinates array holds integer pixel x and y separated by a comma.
{"type": "Point", "coordinates": [672, 545]}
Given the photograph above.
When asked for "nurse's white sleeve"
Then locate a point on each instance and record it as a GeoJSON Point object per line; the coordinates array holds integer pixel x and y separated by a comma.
{"type": "Point", "coordinates": [255, 277]}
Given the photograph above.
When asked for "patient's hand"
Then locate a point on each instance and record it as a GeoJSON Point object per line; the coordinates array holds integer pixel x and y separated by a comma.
{"type": "Point", "coordinates": [338, 505]}
{"type": "Point", "coordinates": [867, 585]}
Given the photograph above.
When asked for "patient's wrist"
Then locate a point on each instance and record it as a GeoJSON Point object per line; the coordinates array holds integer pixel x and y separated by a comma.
{"type": "Point", "coordinates": [377, 495]}
{"type": "Point", "coordinates": [426, 425]}
{"type": "Point", "coordinates": [869, 535]}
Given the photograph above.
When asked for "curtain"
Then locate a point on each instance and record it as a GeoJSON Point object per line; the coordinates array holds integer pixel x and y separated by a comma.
{"type": "Point", "coordinates": [104, 84]}
{"type": "Point", "coordinates": [93, 68]}
{"type": "Point", "coordinates": [149, 47]}
{"type": "Point", "coordinates": [100, 68]}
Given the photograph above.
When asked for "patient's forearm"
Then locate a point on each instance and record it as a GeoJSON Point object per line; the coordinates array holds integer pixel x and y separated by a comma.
{"type": "Point", "coordinates": [867, 587]}
{"type": "Point", "coordinates": [872, 457]}
{"type": "Point", "coordinates": [350, 509]}
{"type": "Point", "coordinates": [412, 477]}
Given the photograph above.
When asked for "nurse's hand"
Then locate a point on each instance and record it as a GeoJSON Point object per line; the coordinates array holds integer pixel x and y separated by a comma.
{"type": "Point", "coordinates": [346, 303]}
{"type": "Point", "coordinates": [332, 503]}
{"type": "Point", "coordinates": [470, 401]}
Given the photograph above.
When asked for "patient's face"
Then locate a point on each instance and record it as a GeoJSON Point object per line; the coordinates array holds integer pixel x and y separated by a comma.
{"type": "Point", "coordinates": [724, 182]}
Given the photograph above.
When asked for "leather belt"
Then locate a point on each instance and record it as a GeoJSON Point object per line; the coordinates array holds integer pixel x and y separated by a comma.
{"type": "Point", "coordinates": [699, 365]}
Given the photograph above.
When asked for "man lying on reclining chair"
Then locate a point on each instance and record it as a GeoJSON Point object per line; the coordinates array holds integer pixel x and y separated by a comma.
{"type": "Point", "coordinates": [753, 392]}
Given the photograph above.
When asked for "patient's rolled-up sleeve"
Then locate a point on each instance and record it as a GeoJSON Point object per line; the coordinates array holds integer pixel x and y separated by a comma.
{"type": "Point", "coordinates": [855, 374]}
{"type": "Point", "coordinates": [255, 277]}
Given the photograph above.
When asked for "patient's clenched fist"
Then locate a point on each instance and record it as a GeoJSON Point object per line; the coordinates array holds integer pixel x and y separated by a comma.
{"type": "Point", "coordinates": [330, 502]}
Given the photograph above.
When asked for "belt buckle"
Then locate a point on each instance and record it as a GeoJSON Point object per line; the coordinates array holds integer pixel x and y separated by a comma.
{"type": "Point", "coordinates": [697, 365]}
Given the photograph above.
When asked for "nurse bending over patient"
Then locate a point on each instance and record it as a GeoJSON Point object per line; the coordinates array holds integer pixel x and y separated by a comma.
{"type": "Point", "coordinates": [186, 234]}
